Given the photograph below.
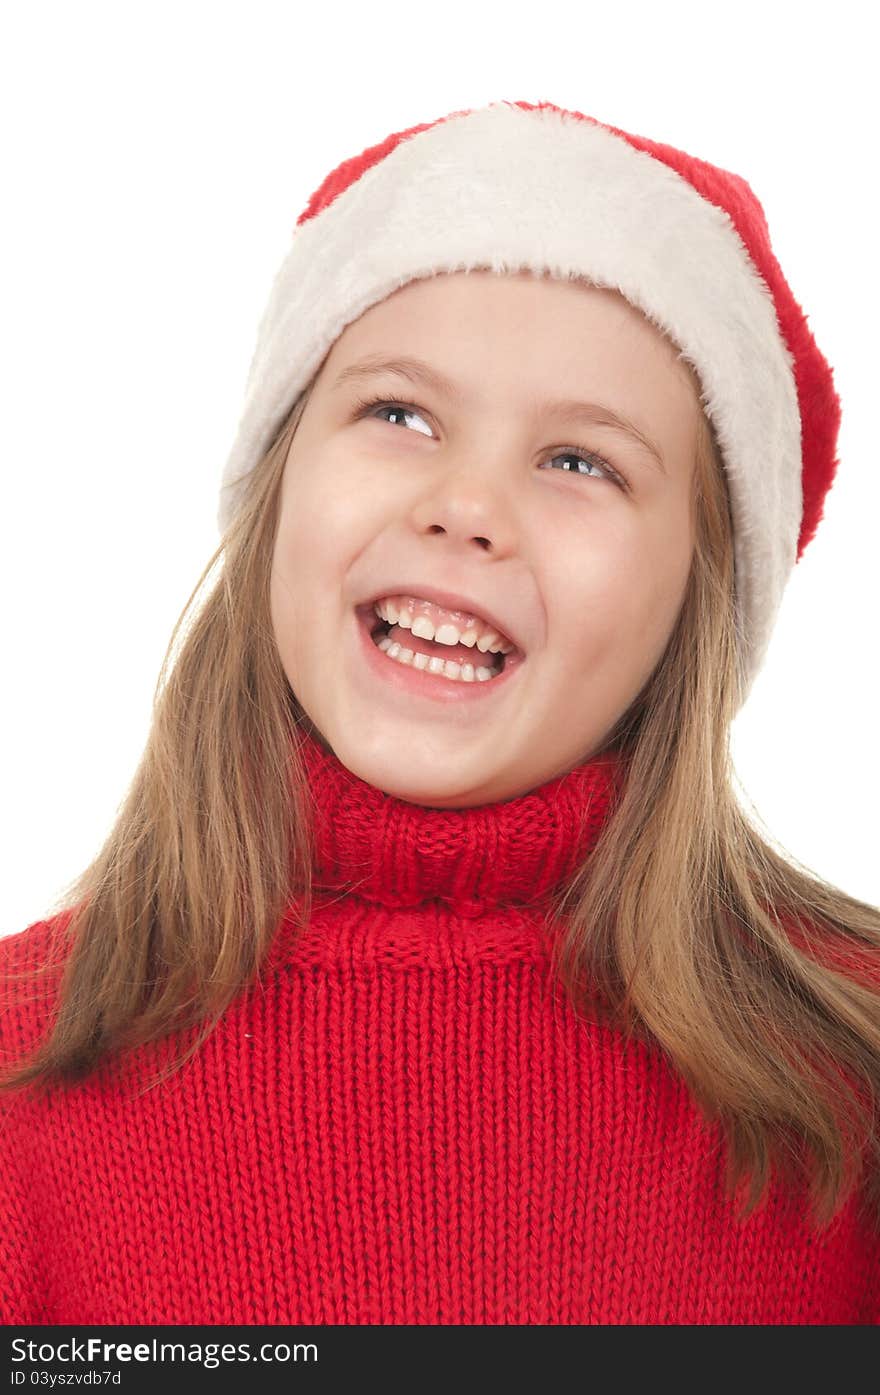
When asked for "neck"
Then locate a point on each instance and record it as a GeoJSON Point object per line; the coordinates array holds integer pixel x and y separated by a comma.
{"type": "Point", "coordinates": [382, 849]}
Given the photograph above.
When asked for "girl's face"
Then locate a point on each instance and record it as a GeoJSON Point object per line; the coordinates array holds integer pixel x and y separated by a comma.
{"type": "Point", "coordinates": [495, 491]}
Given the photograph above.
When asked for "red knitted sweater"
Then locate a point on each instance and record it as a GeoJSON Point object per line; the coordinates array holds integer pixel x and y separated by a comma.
{"type": "Point", "coordinates": [404, 1122]}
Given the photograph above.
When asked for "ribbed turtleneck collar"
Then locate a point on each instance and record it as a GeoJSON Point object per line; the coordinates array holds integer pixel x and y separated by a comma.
{"type": "Point", "coordinates": [385, 850]}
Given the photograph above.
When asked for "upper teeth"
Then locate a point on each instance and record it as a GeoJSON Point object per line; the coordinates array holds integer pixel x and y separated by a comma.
{"type": "Point", "coordinates": [401, 611]}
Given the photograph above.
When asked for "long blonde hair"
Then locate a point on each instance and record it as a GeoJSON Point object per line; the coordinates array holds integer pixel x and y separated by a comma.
{"type": "Point", "coordinates": [684, 927]}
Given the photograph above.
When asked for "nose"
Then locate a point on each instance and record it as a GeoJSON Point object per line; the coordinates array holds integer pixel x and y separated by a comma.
{"type": "Point", "coordinates": [469, 506]}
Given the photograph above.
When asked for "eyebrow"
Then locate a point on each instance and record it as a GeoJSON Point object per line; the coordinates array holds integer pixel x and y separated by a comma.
{"type": "Point", "coordinates": [417, 371]}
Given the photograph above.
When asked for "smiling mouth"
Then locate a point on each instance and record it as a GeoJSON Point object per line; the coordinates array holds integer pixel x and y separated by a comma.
{"type": "Point", "coordinates": [429, 647]}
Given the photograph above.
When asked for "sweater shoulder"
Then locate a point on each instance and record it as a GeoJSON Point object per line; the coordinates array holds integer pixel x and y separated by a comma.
{"type": "Point", "coordinates": [31, 962]}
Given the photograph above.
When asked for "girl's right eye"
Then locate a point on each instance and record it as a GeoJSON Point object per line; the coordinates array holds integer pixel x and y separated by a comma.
{"type": "Point", "coordinates": [380, 405]}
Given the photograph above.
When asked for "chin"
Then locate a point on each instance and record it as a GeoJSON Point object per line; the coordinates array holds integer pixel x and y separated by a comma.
{"type": "Point", "coordinates": [411, 780]}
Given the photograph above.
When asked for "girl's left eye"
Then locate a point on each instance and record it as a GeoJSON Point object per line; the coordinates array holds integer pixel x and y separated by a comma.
{"type": "Point", "coordinates": [577, 453]}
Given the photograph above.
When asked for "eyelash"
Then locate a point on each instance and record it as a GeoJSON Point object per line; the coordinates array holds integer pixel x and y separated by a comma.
{"type": "Point", "coordinates": [578, 452]}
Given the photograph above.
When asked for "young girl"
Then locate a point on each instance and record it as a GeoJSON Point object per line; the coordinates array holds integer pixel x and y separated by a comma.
{"type": "Point", "coordinates": [432, 972]}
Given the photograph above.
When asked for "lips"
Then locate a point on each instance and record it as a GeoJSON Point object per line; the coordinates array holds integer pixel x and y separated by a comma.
{"type": "Point", "coordinates": [412, 683]}
{"type": "Point", "coordinates": [452, 601]}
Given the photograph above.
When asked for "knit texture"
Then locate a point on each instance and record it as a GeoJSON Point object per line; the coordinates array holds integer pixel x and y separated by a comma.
{"type": "Point", "coordinates": [404, 1121]}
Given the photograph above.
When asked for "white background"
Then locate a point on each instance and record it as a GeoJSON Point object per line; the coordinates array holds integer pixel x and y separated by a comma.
{"type": "Point", "coordinates": [156, 158]}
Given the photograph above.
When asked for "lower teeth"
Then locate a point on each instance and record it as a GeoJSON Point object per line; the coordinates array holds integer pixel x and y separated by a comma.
{"type": "Point", "coordinates": [444, 668]}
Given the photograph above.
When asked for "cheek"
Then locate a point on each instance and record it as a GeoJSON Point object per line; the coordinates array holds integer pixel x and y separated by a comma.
{"type": "Point", "coordinates": [322, 528]}
{"type": "Point", "coordinates": [337, 508]}
{"type": "Point", "coordinates": [618, 607]}
{"type": "Point", "coordinates": [295, 579]}
{"type": "Point", "coordinates": [317, 533]}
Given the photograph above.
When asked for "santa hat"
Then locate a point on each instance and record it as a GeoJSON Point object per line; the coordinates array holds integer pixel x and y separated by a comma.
{"type": "Point", "coordinates": [517, 185]}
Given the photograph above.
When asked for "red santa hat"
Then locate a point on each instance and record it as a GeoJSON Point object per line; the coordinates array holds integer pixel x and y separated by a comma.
{"type": "Point", "coordinates": [517, 185]}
